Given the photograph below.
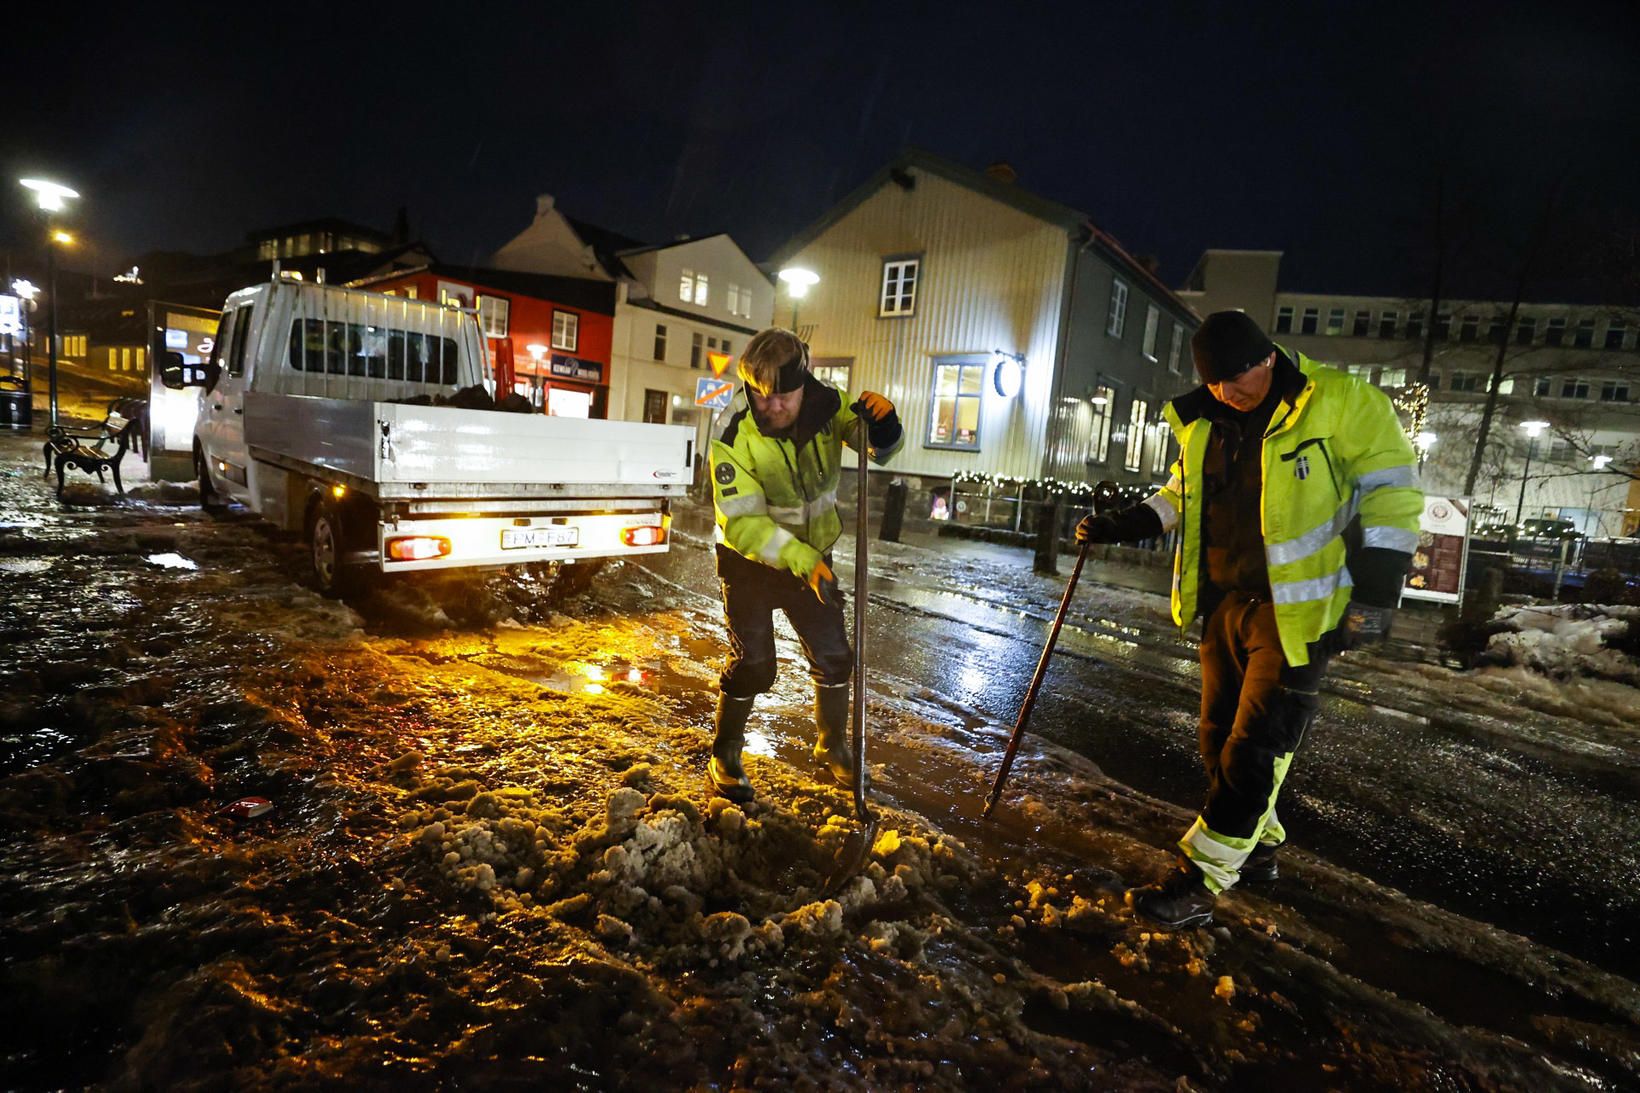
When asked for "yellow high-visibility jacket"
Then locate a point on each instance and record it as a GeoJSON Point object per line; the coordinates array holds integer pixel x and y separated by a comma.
{"type": "Point", "coordinates": [776, 497]}
{"type": "Point", "coordinates": [1335, 453]}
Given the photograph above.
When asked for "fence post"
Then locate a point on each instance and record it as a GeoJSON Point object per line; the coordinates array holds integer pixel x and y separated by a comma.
{"type": "Point", "coordinates": [1047, 538]}
{"type": "Point", "coordinates": [893, 511]}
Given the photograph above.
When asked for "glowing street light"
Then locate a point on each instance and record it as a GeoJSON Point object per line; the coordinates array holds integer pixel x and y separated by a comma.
{"type": "Point", "coordinates": [1533, 430]}
{"type": "Point", "coordinates": [798, 282]}
{"type": "Point", "coordinates": [1601, 462]}
{"type": "Point", "coordinates": [51, 197]}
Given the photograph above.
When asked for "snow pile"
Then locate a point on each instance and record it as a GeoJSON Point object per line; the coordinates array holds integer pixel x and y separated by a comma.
{"type": "Point", "coordinates": [1568, 641]}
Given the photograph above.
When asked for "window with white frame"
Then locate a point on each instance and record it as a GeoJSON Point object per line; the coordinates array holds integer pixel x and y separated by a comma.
{"type": "Point", "coordinates": [492, 316]}
{"type": "Point", "coordinates": [740, 301]}
{"type": "Point", "coordinates": [1335, 321]}
{"type": "Point", "coordinates": [1387, 323]}
{"type": "Point", "coordinates": [1497, 330]}
{"type": "Point", "coordinates": [1174, 354]}
{"type": "Point", "coordinates": [1555, 332]}
{"type": "Point", "coordinates": [692, 288]}
{"type": "Point", "coordinates": [1525, 330]}
{"type": "Point", "coordinates": [1311, 319]}
{"type": "Point", "coordinates": [1470, 328]}
{"type": "Point", "coordinates": [1117, 320]}
{"type": "Point", "coordinates": [833, 370]}
{"type": "Point", "coordinates": [697, 350]}
{"type": "Point", "coordinates": [1415, 326]}
{"type": "Point", "coordinates": [1584, 337]}
{"type": "Point", "coordinates": [899, 294]}
{"type": "Point", "coordinates": [1137, 412]}
{"type": "Point", "coordinates": [1160, 447]}
{"type": "Point", "coordinates": [660, 341]}
{"type": "Point", "coordinates": [1465, 381]}
{"type": "Point", "coordinates": [1543, 386]}
{"type": "Point", "coordinates": [1574, 388]}
{"type": "Point", "coordinates": [954, 404]}
{"type": "Point", "coordinates": [1104, 407]}
{"type": "Point", "coordinates": [1284, 320]}
{"type": "Point", "coordinates": [1614, 391]}
{"type": "Point", "coordinates": [1363, 323]}
{"type": "Point", "coordinates": [566, 330]}
{"type": "Point", "coordinates": [1615, 330]}
{"type": "Point", "coordinates": [1392, 377]}
{"type": "Point", "coordinates": [1153, 320]}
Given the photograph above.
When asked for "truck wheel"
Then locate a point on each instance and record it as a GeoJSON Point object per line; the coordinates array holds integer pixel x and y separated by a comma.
{"type": "Point", "coordinates": [209, 499]}
{"type": "Point", "coordinates": [326, 546]}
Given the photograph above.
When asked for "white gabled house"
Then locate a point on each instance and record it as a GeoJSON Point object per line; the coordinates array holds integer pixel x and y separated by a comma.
{"type": "Point", "coordinates": [1017, 339]}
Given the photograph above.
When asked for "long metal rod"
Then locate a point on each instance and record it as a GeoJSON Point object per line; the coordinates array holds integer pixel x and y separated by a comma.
{"type": "Point", "coordinates": [861, 546]}
{"type": "Point", "coordinates": [1026, 706]}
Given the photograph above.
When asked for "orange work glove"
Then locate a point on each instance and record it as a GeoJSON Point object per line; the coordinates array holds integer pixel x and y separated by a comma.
{"type": "Point", "coordinates": [823, 582]}
{"type": "Point", "coordinates": [873, 406]}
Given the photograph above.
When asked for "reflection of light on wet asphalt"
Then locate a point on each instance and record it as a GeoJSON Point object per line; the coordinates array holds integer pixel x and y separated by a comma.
{"type": "Point", "coordinates": [759, 743]}
{"type": "Point", "coordinates": [24, 565]}
{"type": "Point", "coordinates": [171, 560]}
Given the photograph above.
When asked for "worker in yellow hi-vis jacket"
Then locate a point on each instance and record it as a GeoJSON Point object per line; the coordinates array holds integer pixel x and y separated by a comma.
{"type": "Point", "coordinates": [1297, 514]}
{"type": "Point", "coordinates": [776, 454]}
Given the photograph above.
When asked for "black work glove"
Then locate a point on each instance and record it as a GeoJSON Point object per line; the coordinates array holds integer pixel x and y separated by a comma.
{"type": "Point", "coordinates": [1362, 624]}
{"type": "Point", "coordinates": [883, 424]}
{"type": "Point", "coordinates": [1098, 529]}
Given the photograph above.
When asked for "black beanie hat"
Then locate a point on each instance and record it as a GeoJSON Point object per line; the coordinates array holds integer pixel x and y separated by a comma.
{"type": "Point", "coordinates": [1228, 344]}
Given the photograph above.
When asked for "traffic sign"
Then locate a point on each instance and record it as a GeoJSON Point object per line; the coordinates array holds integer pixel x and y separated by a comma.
{"type": "Point", "coordinates": [713, 393]}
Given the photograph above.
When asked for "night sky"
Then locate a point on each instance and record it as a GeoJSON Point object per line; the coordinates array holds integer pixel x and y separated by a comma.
{"type": "Point", "coordinates": [1317, 129]}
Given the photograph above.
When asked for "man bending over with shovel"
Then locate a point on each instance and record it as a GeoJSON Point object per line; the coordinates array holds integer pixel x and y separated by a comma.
{"type": "Point", "coordinates": [776, 452]}
{"type": "Point", "coordinates": [1294, 492]}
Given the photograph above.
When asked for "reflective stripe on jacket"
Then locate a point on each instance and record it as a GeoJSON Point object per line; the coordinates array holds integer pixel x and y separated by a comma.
{"type": "Point", "coordinates": [1336, 453]}
{"type": "Point", "coordinates": [776, 497]}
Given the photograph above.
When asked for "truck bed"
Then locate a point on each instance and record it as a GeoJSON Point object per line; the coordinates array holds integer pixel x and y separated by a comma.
{"type": "Point", "coordinates": [394, 451]}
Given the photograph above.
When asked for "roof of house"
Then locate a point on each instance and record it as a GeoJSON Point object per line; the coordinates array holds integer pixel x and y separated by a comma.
{"type": "Point", "coordinates": [577, 292]}
{"type": "Point", "coordinates": [607, 246]}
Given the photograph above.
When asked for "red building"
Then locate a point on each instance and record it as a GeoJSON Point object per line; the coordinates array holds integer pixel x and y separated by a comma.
{"type": "Point", "coordinates": [551, 334]}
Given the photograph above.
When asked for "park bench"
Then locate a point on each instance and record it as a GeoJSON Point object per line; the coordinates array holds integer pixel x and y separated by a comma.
{"type": "Point", "coordinates": [122, 428]}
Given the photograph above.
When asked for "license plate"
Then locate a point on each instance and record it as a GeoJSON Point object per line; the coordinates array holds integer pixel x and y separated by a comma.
{"type": "Point", "coordinates": [520, 538]}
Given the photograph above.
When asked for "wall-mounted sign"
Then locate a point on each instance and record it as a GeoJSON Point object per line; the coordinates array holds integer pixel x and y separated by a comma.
{"type": "Point", "coordinates": [1443, 549]}
{"type": "Point", "coordinates": [11, 315]}
{"type": "Point", "coordinates": [574, 368]}
{"type": "Point", "coordinates": [1008, 376]}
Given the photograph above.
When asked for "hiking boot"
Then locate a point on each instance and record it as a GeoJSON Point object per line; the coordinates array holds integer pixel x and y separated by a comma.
{"type": "Point", "coordinates": [1180, 900]}
{"type": "Point", "coordinates": [831, 749]}
{"type": "Point", "coordinates": [724, 774]}
{"type": "Point", "coordinates": [1260, 866]}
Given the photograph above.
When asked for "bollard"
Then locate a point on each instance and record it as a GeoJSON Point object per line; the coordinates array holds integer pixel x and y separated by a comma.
{"type": "Point", "coordinates": [893, 511]}
{"type": "Point", "coordinates": [1047, 538]}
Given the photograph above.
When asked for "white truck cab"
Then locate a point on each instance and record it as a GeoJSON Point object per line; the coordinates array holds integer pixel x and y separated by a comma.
{"type": "Point", "coordinates": [324, 410]}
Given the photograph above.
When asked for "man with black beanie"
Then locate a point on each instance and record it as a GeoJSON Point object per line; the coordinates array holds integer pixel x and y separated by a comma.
{"type": "Point", "coordinates": [1297, 513]}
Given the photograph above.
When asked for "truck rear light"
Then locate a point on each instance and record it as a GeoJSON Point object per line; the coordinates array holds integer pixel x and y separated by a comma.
{"type": "Point", "coordinates": [416, 548]}
{"type": "Point", "coordinates": [645, 535]}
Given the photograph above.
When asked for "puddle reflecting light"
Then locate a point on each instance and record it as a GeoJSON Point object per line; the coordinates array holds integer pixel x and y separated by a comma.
{"type": "Point", "coordinates": [171, 560]}
{"type": "Point", "coordinates": [758, 743]}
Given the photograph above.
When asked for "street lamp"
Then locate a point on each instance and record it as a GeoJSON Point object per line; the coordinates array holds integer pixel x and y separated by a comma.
{"type": "Point", "coordinates": [51, 197]}
{"type": "Point", "coordinates": [798, 282]}
{"type": "Point", "coordinates": [1534, 429]}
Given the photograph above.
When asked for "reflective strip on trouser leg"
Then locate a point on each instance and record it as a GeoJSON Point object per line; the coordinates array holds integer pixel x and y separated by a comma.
{"type": "Point", "coordinates": [1219, 856]}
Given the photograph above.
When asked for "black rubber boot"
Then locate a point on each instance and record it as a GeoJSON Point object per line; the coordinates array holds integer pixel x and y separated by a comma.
{"type": "Point", "coordinates": [831, 749]}
{"type": "Point", "coordinates": [1179, 901]}
{"type": "Point", "coordinates": [724, 774]}
{"type": "Point", "coordinates": [1260, 866]}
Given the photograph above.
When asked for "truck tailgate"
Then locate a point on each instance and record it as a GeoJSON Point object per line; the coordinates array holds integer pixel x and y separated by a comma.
{"type": "Point", "coordinates": [440, 451]}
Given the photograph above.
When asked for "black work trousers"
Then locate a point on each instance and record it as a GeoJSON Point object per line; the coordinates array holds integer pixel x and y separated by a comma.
{"type": "Point", "coordinates": [1255, 709]}
{"type": "Point", "coordinates": [749, 604]}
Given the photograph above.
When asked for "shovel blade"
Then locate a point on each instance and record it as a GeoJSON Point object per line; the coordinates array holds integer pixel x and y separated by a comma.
{"type": "Point", "coordinates": [851, 858]}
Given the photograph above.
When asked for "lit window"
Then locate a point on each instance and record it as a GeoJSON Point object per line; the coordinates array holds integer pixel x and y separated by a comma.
{"type": "Point", "coordinates": [1153, 319]}
{"type": "Point", "coordinates": [566, 330]}
{"type": "Point", "coordinates": [686, 286]}
{"type": "Point", "coordinates": [1117, 320]}
{"type": "Point", "coordinates": [701, 295]}
{"type": "Point", "coordinates": [1104, 406]}
{"type": "Point", "coordinates": [1161, 443]}
{"type": "Point", "coordinates": [492, 316]}
{"type": "Point", "coordinates": [899, 294]}
{"type": "Point", "coordinates": [834, 371]}
{"type": "Point", "coordinates": [954, 404]}
{"type": "Point", "coordinates": [1137, 413]}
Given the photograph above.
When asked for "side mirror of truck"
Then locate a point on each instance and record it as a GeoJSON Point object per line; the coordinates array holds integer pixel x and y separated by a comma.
{"type": "Point", "coordinates": [177, 373]}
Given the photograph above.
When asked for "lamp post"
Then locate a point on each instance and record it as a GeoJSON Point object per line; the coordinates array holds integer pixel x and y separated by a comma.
{"type": "Point", "coordinates": [798, 282]}
{"type": "Point", "coordinates": [1534, 429]}
{"type": "Point", "coordinates": [50, 197]}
